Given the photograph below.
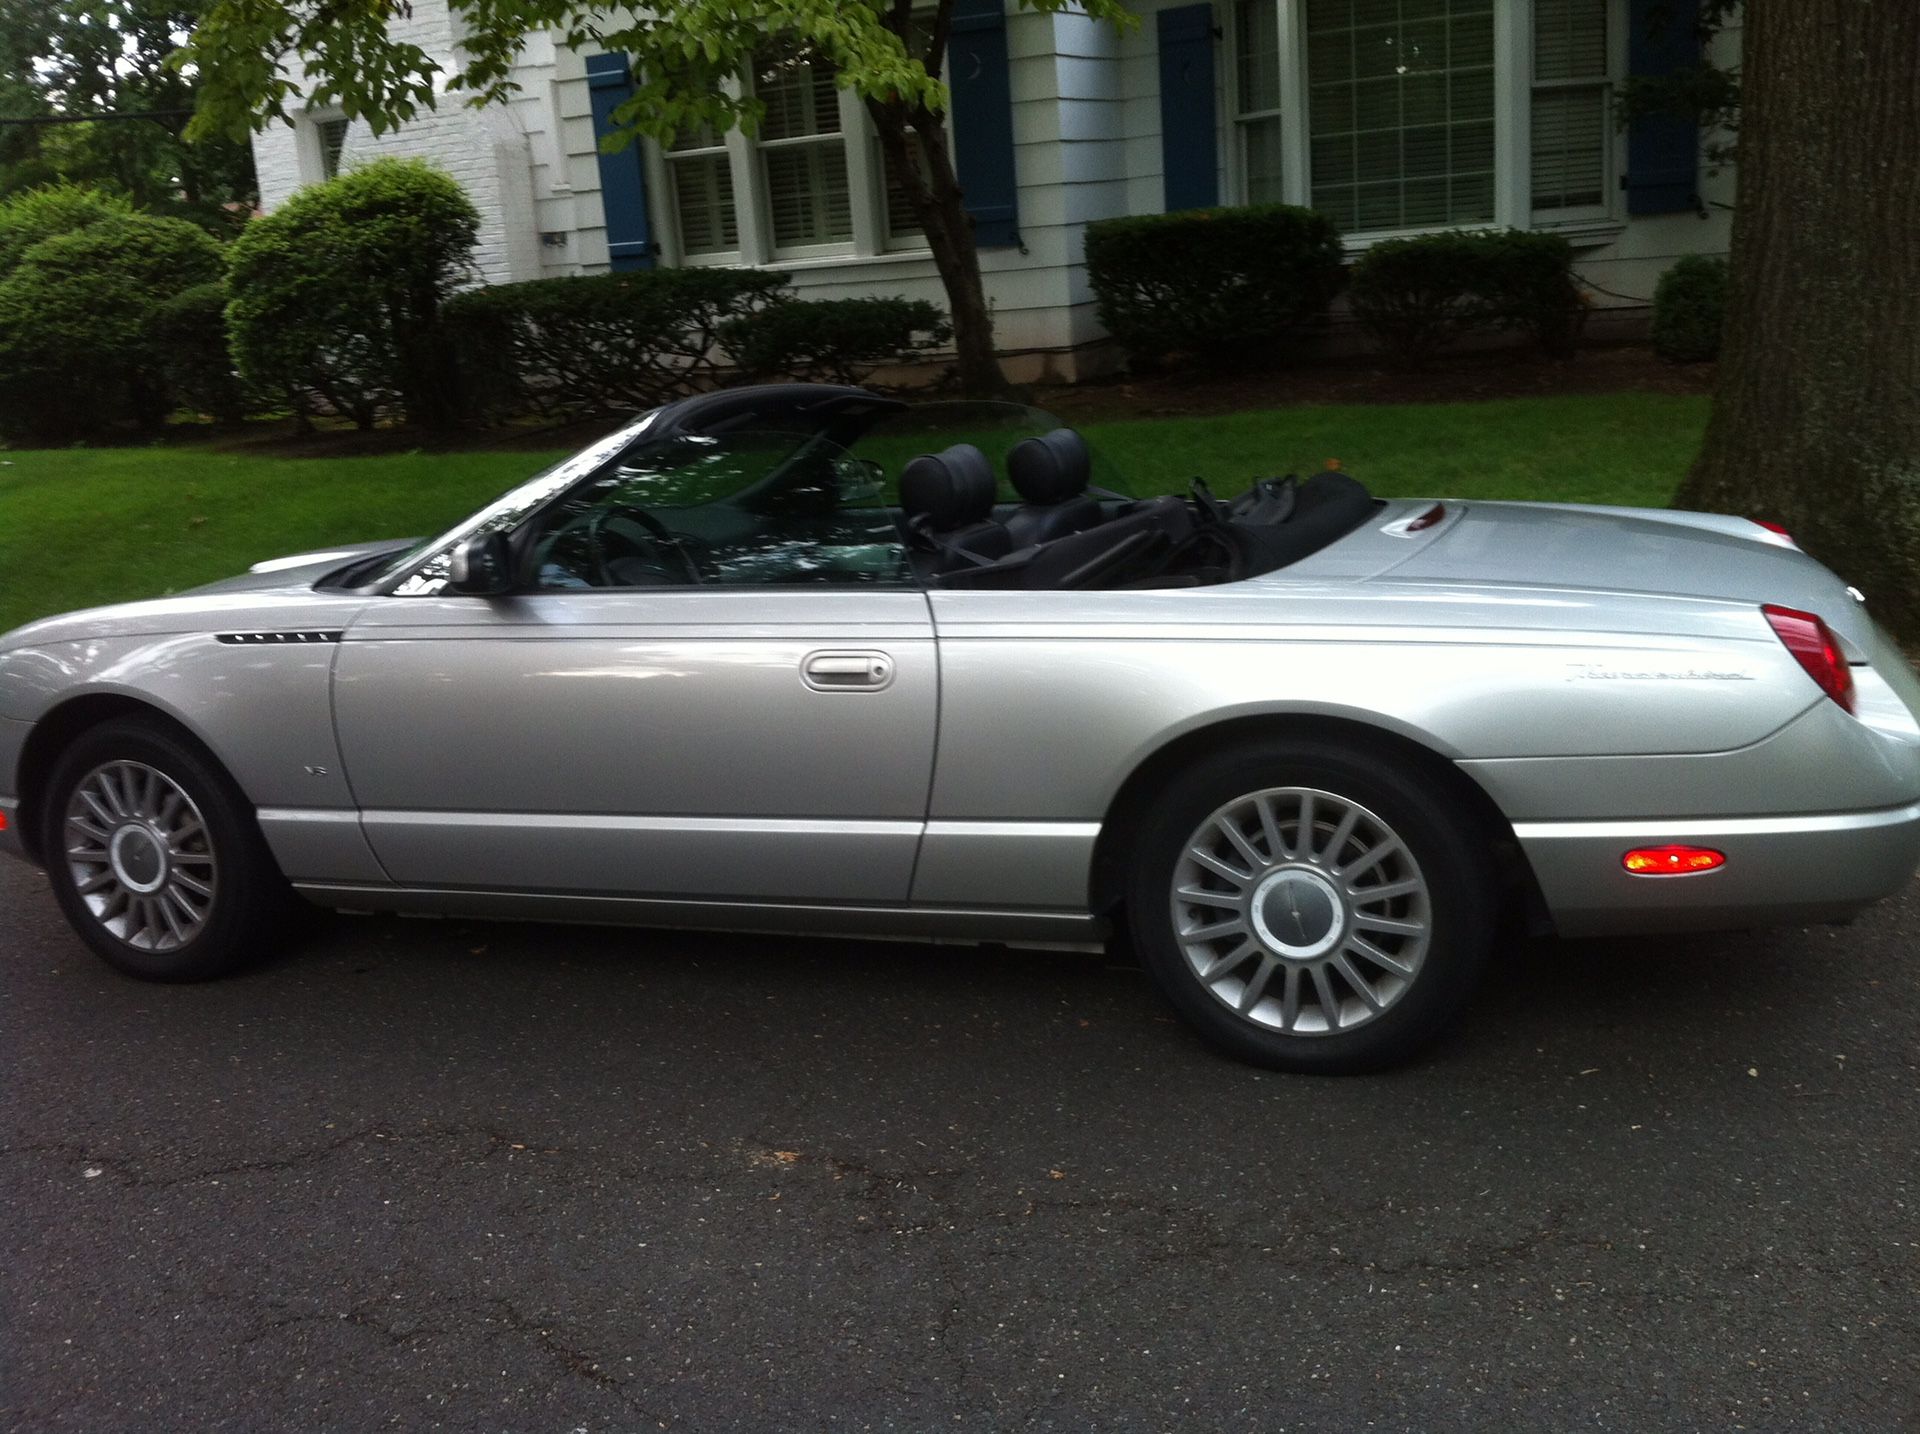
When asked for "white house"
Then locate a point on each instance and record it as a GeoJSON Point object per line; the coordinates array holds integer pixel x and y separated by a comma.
{"type": "Point", "coordinates": [1393, 116]}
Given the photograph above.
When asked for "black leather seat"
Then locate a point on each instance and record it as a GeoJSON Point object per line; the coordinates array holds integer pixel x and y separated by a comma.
{"type": "Point", "coordinates": [1050, 473]}
{"type": "Point", "coordinates": [948, 500]}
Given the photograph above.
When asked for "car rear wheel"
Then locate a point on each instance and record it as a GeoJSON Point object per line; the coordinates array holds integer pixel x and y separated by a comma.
{"type": "Point", "coordinates": [1310, 907]}
{"type": "Point", "coordinates": [155, 858]}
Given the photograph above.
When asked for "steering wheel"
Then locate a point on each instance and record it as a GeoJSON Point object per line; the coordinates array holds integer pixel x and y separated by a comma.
{"type": "Point", "coordinates": [647, 543]}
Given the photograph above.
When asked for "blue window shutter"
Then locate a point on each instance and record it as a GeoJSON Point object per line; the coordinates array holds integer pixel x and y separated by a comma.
{"type": "Point", "coordinates": [623, 175]}
{"type": "Point", "coordinates": [1187, 156]}
{"type": "Point", "coordinates": [1663, 151]}
{"type": "Point", "coordinates": [983, 120]}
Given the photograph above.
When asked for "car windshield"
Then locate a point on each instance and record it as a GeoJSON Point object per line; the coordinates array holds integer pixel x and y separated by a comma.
{"type": "Point", "coordinates": [746, 507]}
{"type": "Point", "coordinates": [432, 556]}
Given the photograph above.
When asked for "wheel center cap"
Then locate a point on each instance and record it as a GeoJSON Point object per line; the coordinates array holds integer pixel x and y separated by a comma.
{"type": "Point", "coordinates": [1298, 913]}
{"type": "Point", "coordinates": [138, 859]}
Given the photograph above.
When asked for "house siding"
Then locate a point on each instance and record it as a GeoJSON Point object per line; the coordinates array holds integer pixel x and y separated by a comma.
{"type": "Point", "coordinates": [1086, 131]}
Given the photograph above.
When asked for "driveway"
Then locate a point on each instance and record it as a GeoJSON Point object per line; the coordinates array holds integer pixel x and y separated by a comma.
{"type": "Point", "coordinates": [462, 1176]}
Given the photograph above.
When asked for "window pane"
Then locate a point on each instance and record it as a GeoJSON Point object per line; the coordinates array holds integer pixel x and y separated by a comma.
{"type": "Point", "coordinates": [807, 197]}
{"type": "Point", "coordinates": [703, 203]}
{"type": "Point", "coordinates": [1569, 39]}
{"type": "Point", "coordinates": [1402, 128]}
{"type": "Point", "coordinates": [901, 221]}
{"type": "Point", "coordinates": [333, 139]}
{"type": "Point", "coordinates": [1262, 139]}
{"type": "Point", "coordinates": [1257, 38]}
{"type": "Point", "coordinates": [1569, 148]}
{"type": "Point", "coordinates": [799, 93]}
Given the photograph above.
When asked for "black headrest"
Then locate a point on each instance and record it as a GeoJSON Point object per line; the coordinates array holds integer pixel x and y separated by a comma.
{"type": "Point", "coordinates": [1051, 468]}
{"type": "Point", "coordinates": [949, 489]}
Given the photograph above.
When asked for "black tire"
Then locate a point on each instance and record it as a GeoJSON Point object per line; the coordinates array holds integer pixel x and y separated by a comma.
{"type": "Point", "coordinates": [1440, 844]}
{"type": "Point", "coordinates": [250, 898]}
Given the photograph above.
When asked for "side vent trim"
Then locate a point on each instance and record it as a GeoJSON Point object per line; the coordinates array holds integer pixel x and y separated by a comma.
{"type": "Point", "coordinates": [275, 639]}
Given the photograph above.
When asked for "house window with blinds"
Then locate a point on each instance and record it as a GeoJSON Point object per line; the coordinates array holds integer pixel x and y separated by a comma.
{"type": "Point", "coordinates": [1400, 109]}
{"type": "Point", "coordinates": [1571, 128]}
{"type": "Point", "coordinates": [1257, 99]}
{"type": "Point", "coordinates": [333, 141]}
{"type": "Point", "coordinates": [700, 174]}
{"type": "Point", "coordinates": [802, 152]}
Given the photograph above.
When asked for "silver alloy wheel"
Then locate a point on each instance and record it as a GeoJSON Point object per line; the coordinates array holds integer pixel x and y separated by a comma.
{"type": "Point", "coordinates": [140, 856]}
{"type": "Point", "coordinates": [1301, 910]}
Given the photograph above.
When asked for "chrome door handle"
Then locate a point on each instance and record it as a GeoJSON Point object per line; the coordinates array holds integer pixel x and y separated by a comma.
{"type": "Point", "coordinates": [847, 671]}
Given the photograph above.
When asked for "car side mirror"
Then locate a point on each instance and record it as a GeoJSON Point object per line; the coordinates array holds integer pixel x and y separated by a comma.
{"type": "Point", "coordinates": [480, 566]}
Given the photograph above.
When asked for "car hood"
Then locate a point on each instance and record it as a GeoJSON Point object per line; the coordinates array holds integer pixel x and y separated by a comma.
{"type": "Point", "coordinates": [1632, 550]}
{"type": "Point", "coordinates": [301, 569]}
{"type": "Point", "coordinates": [276, 593]}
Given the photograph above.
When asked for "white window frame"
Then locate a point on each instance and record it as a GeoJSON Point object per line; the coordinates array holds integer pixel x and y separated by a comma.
{"type": "Point", "coordinates": [1512, 121]}
{"type": "Point", "coordinates": [1612, 206]}
{"type": "Point", "coordinates": [866, 187]}
{"type": "Point", "coordinates": [310, 145]}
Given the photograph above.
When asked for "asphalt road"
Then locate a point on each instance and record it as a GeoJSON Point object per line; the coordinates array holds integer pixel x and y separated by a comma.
{"type": "Point", "coordinates": [459, 1176]}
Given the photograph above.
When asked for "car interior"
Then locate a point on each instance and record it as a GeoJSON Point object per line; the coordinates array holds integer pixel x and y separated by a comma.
{"type": "Point", "coordinates": [800, 484]}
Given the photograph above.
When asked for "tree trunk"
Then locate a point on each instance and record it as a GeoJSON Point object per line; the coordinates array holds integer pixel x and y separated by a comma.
{"type": "Point", "coordinates": [1816, 412]}
{"type": "Point", "coordinates": [933, 189]}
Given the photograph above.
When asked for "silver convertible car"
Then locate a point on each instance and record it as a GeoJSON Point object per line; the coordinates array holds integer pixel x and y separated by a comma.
{"type": "Point", "coordinates": [804, 658]}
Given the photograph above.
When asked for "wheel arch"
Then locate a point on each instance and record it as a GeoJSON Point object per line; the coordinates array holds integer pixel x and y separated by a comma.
{"type": "Point", "coordinates": [63, 725]}
{"type": "Point", "coordinates": [1108, 876]}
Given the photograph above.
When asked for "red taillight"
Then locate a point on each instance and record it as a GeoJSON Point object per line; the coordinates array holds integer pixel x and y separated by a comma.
{"type": "Point", "coordinates": [1672, 860]}
{"type": "Point", "coordinates": [1815, 647]}
{"type": "Point", "coordinates": [1772, 527]}
{"type": "Point", "coordinates": [1427, 519]}
{"type": "Point", "coordinates": [3, 821]}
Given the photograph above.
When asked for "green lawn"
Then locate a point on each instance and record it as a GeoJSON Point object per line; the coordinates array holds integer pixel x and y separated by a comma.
{"type": "Point", "coordinates": [84, 526]}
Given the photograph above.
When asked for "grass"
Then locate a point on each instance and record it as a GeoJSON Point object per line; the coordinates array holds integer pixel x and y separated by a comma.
{"type": "Point", "coordinates": [86, 526]}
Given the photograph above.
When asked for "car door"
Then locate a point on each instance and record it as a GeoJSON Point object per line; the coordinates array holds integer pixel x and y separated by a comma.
{"type": "Point", "coordinates": [764, 736]}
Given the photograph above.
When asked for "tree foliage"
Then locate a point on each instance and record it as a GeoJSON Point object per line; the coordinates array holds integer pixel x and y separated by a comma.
{"type": "Point", "coordinates": [60, 59]}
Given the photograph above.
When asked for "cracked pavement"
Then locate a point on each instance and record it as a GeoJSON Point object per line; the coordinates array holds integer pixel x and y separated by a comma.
{"type": "Point", "coordinates": [469, 1176]}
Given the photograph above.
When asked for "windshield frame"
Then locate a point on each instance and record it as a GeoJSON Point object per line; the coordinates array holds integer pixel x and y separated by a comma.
{"type": "Point", "coordinates": [522, 502]}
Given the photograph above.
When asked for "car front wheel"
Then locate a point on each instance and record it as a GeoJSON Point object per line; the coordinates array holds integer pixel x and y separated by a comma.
{"type": "Point", "coordinates": [1311, 907]}
{"type": "Point", "coordinates": [155, 858]}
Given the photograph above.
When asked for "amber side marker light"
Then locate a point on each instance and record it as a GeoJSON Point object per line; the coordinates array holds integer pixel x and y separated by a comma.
{"type": "Point", "coordinates": [1672, 860]}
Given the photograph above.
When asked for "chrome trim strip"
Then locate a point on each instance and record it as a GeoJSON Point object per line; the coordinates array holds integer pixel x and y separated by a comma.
{"type": "Point", "coordinates": [309, 814]}
{"type": "Point", "coordinates": [601, 821]}
{"type": "Point", "coordinates": [1069, 831]}
{"type": "Point", "coordinates": [1655, 829]}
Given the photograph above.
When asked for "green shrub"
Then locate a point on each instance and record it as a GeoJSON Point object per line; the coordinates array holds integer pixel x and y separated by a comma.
{"type": "Point", "coordinates": [1689, 309]}
{"type": "Point", "coordinates": [337, 295]}
{"type": "Point", "coordinates": [1223, 284]}
{"type": "Point", "coordinates": [36, 214]}
{"type": "Point", "coordinates": [833, 340]}
{"type": "Point", "coordinates": [189, 336]}
{"type": "Point", "coordinates": [632, 339]}
{"type": "Point", "coordinates": [78, 346]}
{"type": "Point", "coordinates": [1416, 297]}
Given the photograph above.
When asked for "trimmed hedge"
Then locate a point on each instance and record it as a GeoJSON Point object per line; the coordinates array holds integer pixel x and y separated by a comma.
{"type": "Point", "coordinates": [189, 334]}
{"type": "Point", "coordinates": [604, 341]}
{"type": "Point", "coordinates": [26, 219]}
{"type": "Point", "coordinates": [1416, 297]}
{"type": "Point", "coordinates": [337, 295]}
{"type": "Point", "coordinates": [1690, 309]}
{"type": "Point", "coordinates": [79, 343]}
{"type": "Point", "coordinates": [1221, 284]}
{"type": "Point", "coordinates": [833, 340]}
